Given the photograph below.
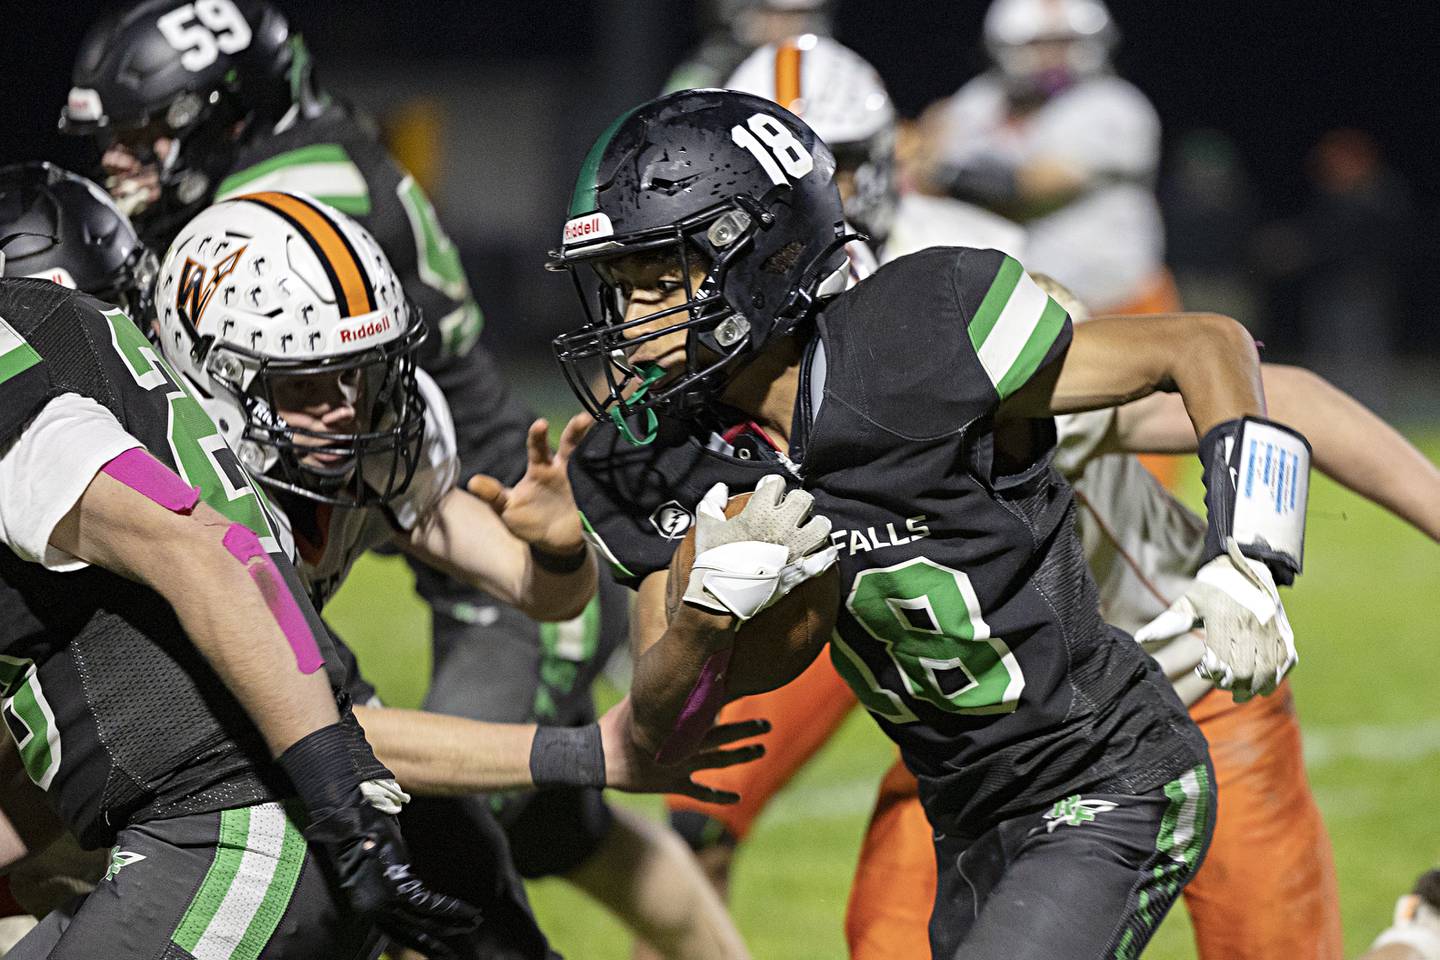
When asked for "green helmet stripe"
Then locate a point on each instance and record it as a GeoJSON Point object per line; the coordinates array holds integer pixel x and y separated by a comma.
{"type": "Point", "coordinates": [586, 198]}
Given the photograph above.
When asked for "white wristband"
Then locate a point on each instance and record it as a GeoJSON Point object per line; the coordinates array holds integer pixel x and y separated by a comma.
{"type": "Point", "coordinates": [1272, 488]}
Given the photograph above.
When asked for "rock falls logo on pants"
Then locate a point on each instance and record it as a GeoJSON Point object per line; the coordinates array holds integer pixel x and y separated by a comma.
{"type": "Point", "coordinates": [671, 520]}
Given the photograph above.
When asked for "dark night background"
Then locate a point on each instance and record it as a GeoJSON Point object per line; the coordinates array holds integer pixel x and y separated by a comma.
{"type": "Point", "coordinates": [524, 87]}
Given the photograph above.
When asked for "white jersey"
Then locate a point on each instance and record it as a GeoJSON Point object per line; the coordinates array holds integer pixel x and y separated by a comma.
{"type": "Point", "coordinates": [1108, 242]}
{"type": "Point", "coordinates": [327, 546]}
{"type": "Point", "coordinates": [923, 221]}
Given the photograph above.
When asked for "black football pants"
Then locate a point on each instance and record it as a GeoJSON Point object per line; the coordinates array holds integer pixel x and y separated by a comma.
{"type": "Point", "coordinates": [1090, 877]}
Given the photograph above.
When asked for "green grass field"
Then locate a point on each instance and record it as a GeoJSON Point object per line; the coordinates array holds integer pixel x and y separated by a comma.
{"type": "Point", "coordinates": [1365, 617]}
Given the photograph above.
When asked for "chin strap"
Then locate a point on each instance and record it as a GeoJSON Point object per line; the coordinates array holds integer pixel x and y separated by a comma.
{"type": "Point", "coordinates": [652, 423]}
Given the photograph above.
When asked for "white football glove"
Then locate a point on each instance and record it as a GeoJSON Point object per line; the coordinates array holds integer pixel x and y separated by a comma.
{"type": "Point", "coordinates": [747, 562]}
{"type": "Point", "coordinates": [1249, 646]}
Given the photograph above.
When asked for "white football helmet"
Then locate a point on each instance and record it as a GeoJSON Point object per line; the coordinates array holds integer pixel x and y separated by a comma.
{"type": "Point", "coordinates": [1016, 29]}
{"type": "Point", "coordinates": [275, 291]}
{"type": "Point", "coordinates": [842, 98]}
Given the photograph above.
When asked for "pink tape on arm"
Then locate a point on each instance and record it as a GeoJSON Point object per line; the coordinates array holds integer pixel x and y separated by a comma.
{"type": "Point", "coordinates": [150, 478]}
{"type": "Point", "coordinates": [698, 714]}
{"type": "Point", "coordinates": [244, 546]}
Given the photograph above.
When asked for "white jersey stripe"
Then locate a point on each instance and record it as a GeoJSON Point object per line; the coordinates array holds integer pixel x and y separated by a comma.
{"type": "Point", "coordinates": [1012, 330]}
{"type": "Point", "coordinates": [1185, 821]}
{"type": "Point", "coordinates": [247, 891]}
{"type": "Point", "coordinates": [321, 180]}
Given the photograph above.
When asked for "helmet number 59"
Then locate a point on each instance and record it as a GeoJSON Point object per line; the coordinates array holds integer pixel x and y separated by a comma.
{"type": "Point", "coordinates": [776, 147]}
{"type": "Point", "coordinates": [221, 29]}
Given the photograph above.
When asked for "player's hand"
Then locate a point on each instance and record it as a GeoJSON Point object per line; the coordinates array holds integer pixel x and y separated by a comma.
{"type": "Point", "coordinates": [745, 563]}
{"type": "Point", "coordinates": [1249, 646]}
{"type": "Point", "coordinates": [362, 848]}
{"type": "Point", "coordinates": [367, 856]}
{"type": "Point", "coordinates": [540, 509]}
{"type": "Point", "coordinates": [630, 768]}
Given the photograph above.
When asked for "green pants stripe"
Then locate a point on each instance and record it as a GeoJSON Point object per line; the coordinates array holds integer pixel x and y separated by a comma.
{"type": "Point", "coordinates": [1178, 847]}
{"type": "Point", "coordinates": [247, 888]}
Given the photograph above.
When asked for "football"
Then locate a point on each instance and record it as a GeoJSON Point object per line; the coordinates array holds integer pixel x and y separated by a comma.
{"type": "Point", "coordinates": [775, 646]}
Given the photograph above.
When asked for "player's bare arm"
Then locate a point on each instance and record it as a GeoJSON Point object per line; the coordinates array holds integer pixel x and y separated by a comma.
{"type": "Point", "coordinates": [1352, 445]}
{"type": "Point", "coordinates": [520, 543]}
{"type": "Point", "coordinates": [1208, 359]}
{"type": "Point", "coordinates": [433, 754]}
{"type": "Point", "coordinates": [27, 822]}
{"type": "Point", "coordinates": [1255, 535]}
{"type": "Point", "coordinates": [182, 557]}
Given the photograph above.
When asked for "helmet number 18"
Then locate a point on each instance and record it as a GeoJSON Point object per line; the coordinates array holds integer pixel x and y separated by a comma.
{"type": "Point", "coordinates": [221, 29]}
{"type": "Point", "coordinates": [774, 147]}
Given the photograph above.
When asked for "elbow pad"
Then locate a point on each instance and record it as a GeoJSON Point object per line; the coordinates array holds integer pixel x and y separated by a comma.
{"type": "Point", "coordinates": [1257, 487]}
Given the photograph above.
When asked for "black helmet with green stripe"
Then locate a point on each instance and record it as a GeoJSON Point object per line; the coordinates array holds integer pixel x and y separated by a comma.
{"type": "Point", "coordinates": [728, 181]}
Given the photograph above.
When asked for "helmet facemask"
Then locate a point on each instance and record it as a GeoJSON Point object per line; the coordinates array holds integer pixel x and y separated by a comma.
{"type": "Point", "coordinates": [371, 463]}
{"type": "Point", "coordinates": [873, 194]}
{"type": "Point", "coordinates": [720, 340]}
{"type": "Point", "coordinates": [201, 136]}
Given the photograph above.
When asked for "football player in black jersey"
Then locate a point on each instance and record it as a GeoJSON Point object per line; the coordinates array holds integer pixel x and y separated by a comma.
{"type": "Point", "coordinates": [1070, 794]}
{"type": "Point", "coordinates": [55, 216]}
{"type": "Point", "coordinates": [162, 670]}
{"type": "Point", "coordinates": [226, 103]}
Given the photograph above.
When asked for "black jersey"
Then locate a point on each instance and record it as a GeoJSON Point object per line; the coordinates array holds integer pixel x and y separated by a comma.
{"type": "Point", "coordinates": [336, 157]}
{"type": "Point", "coordinates": [970, 626]}
{"type": "Point", "coordinates": [115, 712]}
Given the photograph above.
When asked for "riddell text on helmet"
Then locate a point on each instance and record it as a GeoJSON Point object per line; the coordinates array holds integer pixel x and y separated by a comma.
{"type": "Point", "coordinates": [366, 330]}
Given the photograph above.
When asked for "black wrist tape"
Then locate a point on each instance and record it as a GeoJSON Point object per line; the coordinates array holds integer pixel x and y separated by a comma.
{"type": "Point", "coordinates": [567, 757]}
{"type": "Point", "coordinates": [558, 563]}
{"type": "Point", "coordinates": [320, 767]}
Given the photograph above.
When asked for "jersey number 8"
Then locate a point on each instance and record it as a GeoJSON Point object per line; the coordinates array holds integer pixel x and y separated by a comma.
{"type": "Point", "coordinates": [928, 618]}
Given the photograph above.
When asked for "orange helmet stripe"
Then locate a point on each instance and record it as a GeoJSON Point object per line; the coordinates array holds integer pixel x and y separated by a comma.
{"type": "Point", "coordinates": [787, 74]}
{"type": "Point", "coordinates": [353, 292]}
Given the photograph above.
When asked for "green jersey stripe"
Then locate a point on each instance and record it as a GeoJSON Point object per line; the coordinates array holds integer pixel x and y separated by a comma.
{"type": "Point", "coordinates": [996, 297]}
{"type": "Point", "coordinates": [1042, 338]}
{"type": "Point", "coordinates": [1022, 331]}
{"type": "Point", "coordinates": [229, 849]}
{"type": "Point", "coordinates": [593, 538]}
{"type": "Point", "coordinates": [16, 356]}
{"type": "Point", "coordinates": [277, 896]}
{"type": "Point", "coordinates": [323, 170]}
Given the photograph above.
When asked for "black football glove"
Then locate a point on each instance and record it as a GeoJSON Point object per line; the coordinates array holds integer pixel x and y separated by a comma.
{"type": "Point", "coordinates": [365, 853]}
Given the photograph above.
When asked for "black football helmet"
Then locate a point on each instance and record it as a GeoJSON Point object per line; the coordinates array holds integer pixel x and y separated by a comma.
{"type": "Point", "coordinates": [58, 225]}
{"type": "Point", "coordinates": [725, 180]}
{"type": "Point", "coordinates": [190, 73]}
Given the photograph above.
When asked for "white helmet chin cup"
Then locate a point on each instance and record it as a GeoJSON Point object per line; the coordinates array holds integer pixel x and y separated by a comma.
{"type": "Point", "coordinates": [269, 286]}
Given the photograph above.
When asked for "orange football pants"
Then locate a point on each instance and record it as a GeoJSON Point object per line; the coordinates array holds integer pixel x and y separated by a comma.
{"type": "Point", "coordinates": [1266, 890]}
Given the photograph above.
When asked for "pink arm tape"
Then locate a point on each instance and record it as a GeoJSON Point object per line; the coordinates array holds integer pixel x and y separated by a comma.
{"type": "Point", "coordinates": [242, 543]}
{"type": "Point", "coordinates": [150, 478]}
{"type": "Point", "coordinates": [698, 714]}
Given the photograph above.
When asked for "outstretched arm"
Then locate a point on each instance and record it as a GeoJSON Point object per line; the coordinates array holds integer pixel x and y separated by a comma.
{"type": "Point", "coordinates": [1208, 359]}
{"type": "Point", "coordinates": [1255, 530]}
{"type": "Point", "coordinates": [1352, 446]}
{"type": "Point", "coordinates": [433, 754]}
{"type": "Point", "coordinates": [521, 543]}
